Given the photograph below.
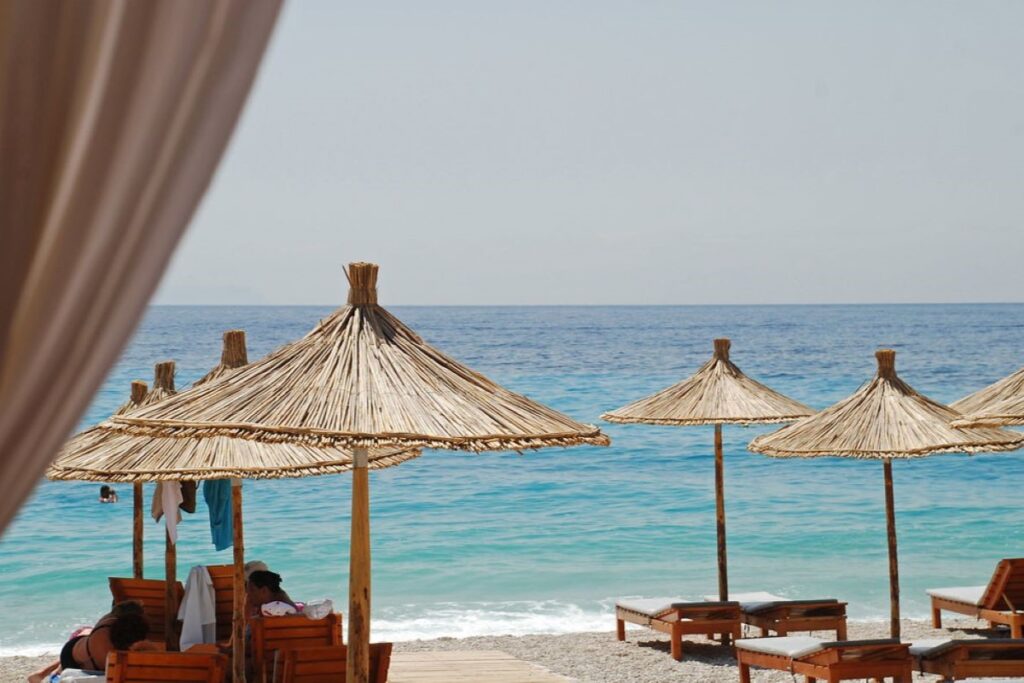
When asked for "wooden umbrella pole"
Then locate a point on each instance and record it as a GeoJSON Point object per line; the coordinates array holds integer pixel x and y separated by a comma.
{"type": "Point", "coordinates": [238, 586]}
{"type": "Point", "coordinates": [894, 572]}
{"type": "Point", "coordinates": [137, 499]}
{"type": "Point", "coordinates": [723, 572]}
{"type": "Point", "coordinates": [170, 594]}
{"type": "Point", "coordinates": [357, 664]}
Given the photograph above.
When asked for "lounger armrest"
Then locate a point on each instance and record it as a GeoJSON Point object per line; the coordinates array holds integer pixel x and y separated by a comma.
{"type": "Point", "coordinates": [976, 648]}
{"type": "Point", "coordinates": [863, 643]}
{"type": "Point", "coordinates": [860, 650]}
{"type": "Point", "coordinates": [706, 604]}
{"type": "Point", "coordinates": [828, 607]}
{"type": "Point", "coordinates": [707, 610]}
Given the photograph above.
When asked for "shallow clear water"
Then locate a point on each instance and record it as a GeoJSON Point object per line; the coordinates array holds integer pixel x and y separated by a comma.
{"type": "Point", "coordinates": [505, 543]}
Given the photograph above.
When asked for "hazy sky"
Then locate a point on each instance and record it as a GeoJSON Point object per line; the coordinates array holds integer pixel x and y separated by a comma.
{"type": "Point", "coordinates": [624, 152]}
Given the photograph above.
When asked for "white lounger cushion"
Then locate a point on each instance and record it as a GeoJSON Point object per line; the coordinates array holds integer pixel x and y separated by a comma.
{"type": "Point", "coordinates": [650, 607]}
{"type": "Point", "coordinates": [970, 594]}
{"type": "Point", "coordinates": [920, 647]}
{"type": "Point", "coordinates": [751, 601]}
{"type": "Point", "coordinates": [785, 646]}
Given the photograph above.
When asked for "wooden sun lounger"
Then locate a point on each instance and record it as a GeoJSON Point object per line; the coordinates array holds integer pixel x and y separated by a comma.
{"type": "Point", "coordinates": [223, 578]}
{"type": "Point", "coordinates": [770, 612]}
{"type": "Point", "coordinates": [150, 594]}
{"type": "Point", "coordinates": [679, 618]}
{"type": "Point", "coordinates": [327, 664]}
{"type": "Point", "coordinates": [830, 661]}
{"type": "Point", "coordinates": [996, 602]}
{"type": "Point", "coordinates": [270, 634]}
{"type": "Point", "coordinates": [156, 667]}
{"type": "Point", "coordinates": [957, 659]}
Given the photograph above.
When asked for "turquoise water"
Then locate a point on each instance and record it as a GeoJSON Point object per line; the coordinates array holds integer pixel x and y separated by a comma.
{"type": "Point", "coordinates": [543, 542]}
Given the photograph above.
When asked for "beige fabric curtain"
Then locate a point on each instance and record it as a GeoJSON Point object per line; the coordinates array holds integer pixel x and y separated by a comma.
{"type": "Point", "coordinates": [113, 117]}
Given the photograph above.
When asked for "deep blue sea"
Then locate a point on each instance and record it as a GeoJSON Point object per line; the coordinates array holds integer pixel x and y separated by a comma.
{"type": "Point", "coordinates": [544, 542]}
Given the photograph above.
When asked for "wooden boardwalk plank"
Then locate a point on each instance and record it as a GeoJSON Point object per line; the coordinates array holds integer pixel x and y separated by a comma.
{"type": "Point", "coordinates": [463, 666]}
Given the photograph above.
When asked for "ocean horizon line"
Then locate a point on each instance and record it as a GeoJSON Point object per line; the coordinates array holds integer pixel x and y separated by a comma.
{"type": "Point", "coordinates": [660, 306]}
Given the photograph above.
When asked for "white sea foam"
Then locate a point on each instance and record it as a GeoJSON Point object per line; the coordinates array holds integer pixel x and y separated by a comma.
{"type": "Point", "coordinates": [464, 620]}
{"type": "Point", "coordinates": [468, 619]}
{"type": "Point", "coordinates": [35, 650]}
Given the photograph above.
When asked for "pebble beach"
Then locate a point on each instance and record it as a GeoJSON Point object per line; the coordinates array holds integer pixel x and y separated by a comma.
{"type": "Point", "coordinates": [597, 657]}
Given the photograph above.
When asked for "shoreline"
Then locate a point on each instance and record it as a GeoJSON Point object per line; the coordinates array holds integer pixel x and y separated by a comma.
{"type": "Point", "coordinates": [597, 657]}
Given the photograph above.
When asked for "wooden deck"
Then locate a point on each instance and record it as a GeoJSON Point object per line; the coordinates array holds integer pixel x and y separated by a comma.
{"type": "Point", "coordinates": [466, 666]}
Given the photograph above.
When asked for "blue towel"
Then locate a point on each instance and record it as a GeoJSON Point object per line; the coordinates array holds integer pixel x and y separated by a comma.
{"type": "Point", "coordinates": [217, 493]}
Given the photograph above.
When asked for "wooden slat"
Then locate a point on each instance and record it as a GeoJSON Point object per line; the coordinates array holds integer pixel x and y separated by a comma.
{"type": "Point", "coordinates": [222, 576]}
{"type": "Point", "coordinates": [154, 667]}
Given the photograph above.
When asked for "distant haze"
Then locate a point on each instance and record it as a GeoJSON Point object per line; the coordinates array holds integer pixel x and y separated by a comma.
{"type": "Point", "coordinates": [591, 152]}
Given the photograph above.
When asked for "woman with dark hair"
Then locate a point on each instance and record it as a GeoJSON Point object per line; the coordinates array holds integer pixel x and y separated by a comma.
{"type": "Point", "coordinates": [87, 648]}
{"type": "Point", "coordinates": [264, 594]}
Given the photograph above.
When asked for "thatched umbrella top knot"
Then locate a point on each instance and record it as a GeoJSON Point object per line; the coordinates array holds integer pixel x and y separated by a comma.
{"type": "Point", "coordinates": [362, 281]}
{"type": "Point", "coordinates": [886, 363]}
{"type": "Point", "coordinates": [234, 355]}
{"type": "Point", "coordinates": [139, 390]}
{"type": "Point", "coordinates": [722, 349]}
{"type": "Point", "coordinates": [163, 376]}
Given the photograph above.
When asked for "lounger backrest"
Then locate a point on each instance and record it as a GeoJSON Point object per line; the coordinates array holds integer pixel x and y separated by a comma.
{"type": "Point", "coordinates": [327, 664]}
{"type": "Point", "coordinates": [150, 593]}
{"type": "Point", "coordinates": [156, 667]}
{"type": "Point", "coordinates": [1005, 591]}
{"type": "Point", "coordinates": [223, 577]}
{"type": "Point", "coordinates": [270, 634]}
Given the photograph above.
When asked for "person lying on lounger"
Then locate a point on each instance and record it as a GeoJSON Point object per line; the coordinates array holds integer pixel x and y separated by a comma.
{"type": "Point", "coordinates": [87, 648]}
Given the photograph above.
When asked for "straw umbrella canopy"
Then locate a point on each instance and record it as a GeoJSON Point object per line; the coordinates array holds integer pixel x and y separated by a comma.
{"type": "Point", "coordinates": [361, 379]}
{"type": "Point", "coordinates": [107, 453]}
{"type": "Point", "coordinates": [1000, 403]}
{"type": "Point", "coordinates": [884, 420]}
{"type": "Point", "coordinates": [718, 393]}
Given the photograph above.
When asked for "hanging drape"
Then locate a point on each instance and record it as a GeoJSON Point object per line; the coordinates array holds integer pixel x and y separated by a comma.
{"type": "Point", "coordinates": [113, 117]}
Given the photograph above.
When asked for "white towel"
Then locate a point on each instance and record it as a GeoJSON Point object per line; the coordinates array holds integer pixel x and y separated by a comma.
{"type": "Point", "coordinates": [198, 611]}
{"type": "Point", "coordinates": [168, 497]}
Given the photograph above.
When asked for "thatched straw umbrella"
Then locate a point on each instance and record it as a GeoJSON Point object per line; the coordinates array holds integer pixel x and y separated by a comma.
{"type": "Point", "coordinates": [718, 393]}
{"type": "Point", "coordinates": [1000, 403]}
{"type": "Point", "coordinates": [884, 420]}
{"type": "Point", "coordinates": [107, 453]}
{"type": "Point", "coordinates": [361, 379]}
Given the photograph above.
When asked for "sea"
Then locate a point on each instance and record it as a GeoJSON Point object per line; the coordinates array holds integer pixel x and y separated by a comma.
{"type": "Point", "coordinates": [544, 542]}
